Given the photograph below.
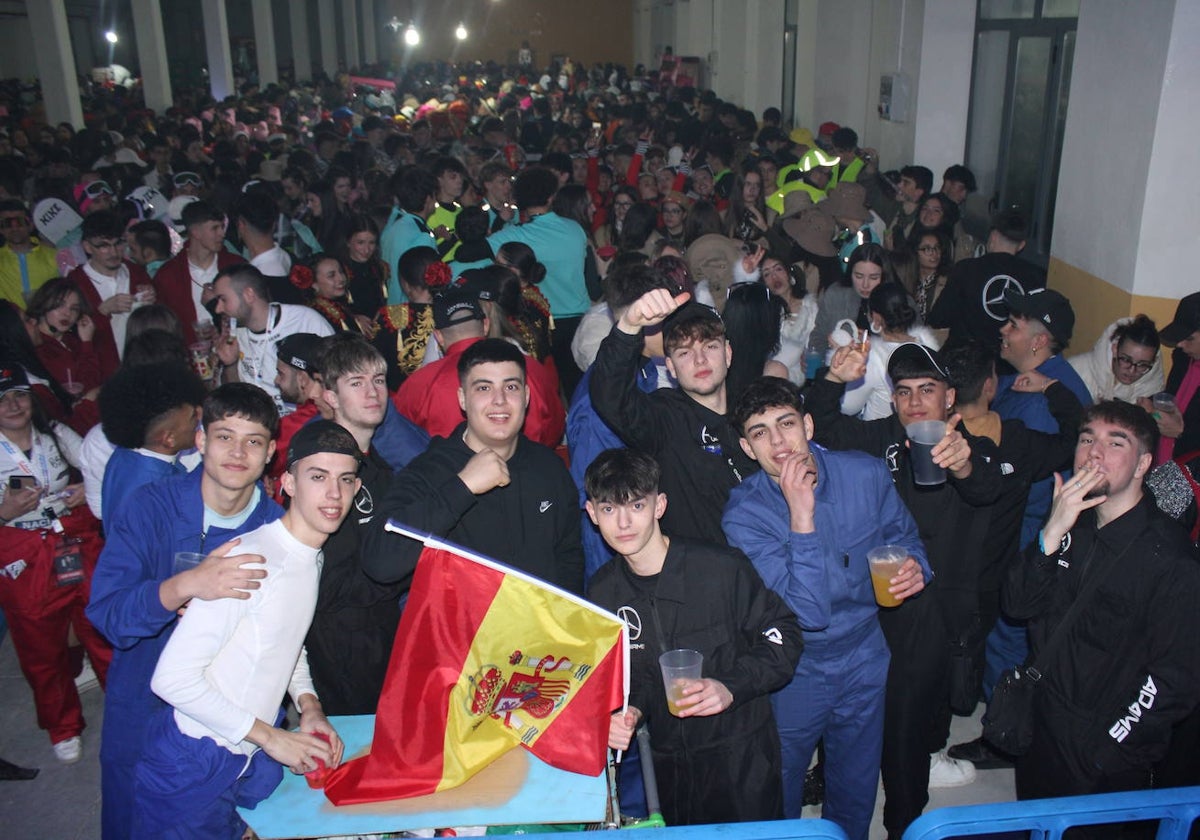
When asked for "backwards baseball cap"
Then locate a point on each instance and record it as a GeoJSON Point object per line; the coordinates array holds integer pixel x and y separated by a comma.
{"type": "Point", "coordinates": [456, 306]}
{"type": "Point", "coordinates": [916, 361]}
{"type": "Point", "coordinates": [321, 436]}
{"type": "Point", "coordinates": [1186, 321]}
{"type": "Point", "coordinates": [13, 378]}
{"type": "Point", "coordinates": [301, 351]}
{"type": "Point", "coordinates": [1047, 306]}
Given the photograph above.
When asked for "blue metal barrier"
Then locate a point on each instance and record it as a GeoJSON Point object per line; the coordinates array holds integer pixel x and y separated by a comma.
{"type": "Point", "coordinates": [776, 830]}
{"type": "Point", "coordinates": [1047, 819]}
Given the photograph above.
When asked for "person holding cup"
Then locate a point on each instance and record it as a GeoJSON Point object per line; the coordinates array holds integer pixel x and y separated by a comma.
{"type": "Point", "coordinates": [807, 521]}
{"type": "Point", "coordinates": [948, 488]}
{"type": "Point", "coordinates": [708, 642]}
{"type": "Point", "coordinates": [108, 283]}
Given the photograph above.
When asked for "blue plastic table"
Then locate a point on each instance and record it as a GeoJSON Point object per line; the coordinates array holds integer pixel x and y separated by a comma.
{"type": "Point", "coordinates": [516, 789]}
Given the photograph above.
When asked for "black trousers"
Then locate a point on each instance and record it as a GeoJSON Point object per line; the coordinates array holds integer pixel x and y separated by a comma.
{"type": "Point", "coordinates": [915, 706]}
{"type": "Point", "coordinates": [738, 781]}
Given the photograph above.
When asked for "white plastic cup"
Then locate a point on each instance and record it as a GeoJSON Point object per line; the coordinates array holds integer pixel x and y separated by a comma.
{"type": "Point", "coordinates": [680, 668]}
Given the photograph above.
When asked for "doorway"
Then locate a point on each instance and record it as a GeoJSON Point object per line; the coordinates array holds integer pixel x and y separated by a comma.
{"type": "Point", "coordinates": [1020, 83]}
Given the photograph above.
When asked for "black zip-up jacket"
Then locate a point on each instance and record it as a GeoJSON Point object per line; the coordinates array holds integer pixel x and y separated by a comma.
{"type": "Point", "coordinates": [531, 524]}
{"type": "Point", "coordinates": [697, 449]}
{"type": "Point", "coordinates": [1129, 667]}
{"type": "Point", "coordinates": [707, 598]}
{"type": "Point", "coordinates": [951, 518]}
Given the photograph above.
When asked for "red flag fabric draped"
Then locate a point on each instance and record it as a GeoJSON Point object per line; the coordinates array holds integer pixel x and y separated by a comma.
{"type": "Point", "coordinates": [486, 658]}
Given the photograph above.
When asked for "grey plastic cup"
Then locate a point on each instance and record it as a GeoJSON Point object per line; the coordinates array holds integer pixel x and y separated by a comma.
{"type": "Point", "coordinates": [922, 437]}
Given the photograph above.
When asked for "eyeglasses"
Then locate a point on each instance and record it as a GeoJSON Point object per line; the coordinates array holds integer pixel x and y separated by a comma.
{"type": "Point", "coordinates": [182, 179]}
{"type": "Point", "coordinates": [625, 204]}
{"type": "Point", "coordinates": [107, 244]}
{"type": "Point", "coordinates": [672, 211]}
{"type": "Point", "coordinates": [930, 249]}
{"type": "Point", "coordinates": [1140, 367]}
{"type": "Point", "coordinates": [14, 222]}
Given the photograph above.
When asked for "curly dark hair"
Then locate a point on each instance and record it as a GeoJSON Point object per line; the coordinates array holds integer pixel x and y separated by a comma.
{"type": "Point", "coordinates": [136, 398]}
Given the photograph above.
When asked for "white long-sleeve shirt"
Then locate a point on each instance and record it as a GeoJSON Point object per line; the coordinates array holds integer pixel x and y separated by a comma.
{"type": "Point", "coordinates": [229, 662]}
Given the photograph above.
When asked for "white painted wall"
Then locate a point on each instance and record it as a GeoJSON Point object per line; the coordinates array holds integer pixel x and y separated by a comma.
{"type": "Point", "coordinates": [944, 81]}
{"type": "Point", "coordinates": [843, 47]}
{"type": "Point", "coordinates": [1166, 261]}
{"type": "Point", "coordinates": [1116, 91]}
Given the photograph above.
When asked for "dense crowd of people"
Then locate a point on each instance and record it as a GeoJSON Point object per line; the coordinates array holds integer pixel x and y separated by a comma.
{"type": "Point", "coordinates": [619, 334]}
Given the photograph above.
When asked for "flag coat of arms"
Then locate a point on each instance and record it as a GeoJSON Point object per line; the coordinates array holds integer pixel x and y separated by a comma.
{"type": "Point", "coordinates": [487, 658]}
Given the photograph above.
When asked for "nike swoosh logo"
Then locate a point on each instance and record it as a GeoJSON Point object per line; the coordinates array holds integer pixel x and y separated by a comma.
{"type": "Point", "coordinates": [544, 506]}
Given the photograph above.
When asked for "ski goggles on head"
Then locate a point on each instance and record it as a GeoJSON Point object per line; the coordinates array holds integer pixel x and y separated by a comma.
{"type": "Point", "coordinates": [186, 179]}
{"type": "Point", "coordinates": [96, 189]}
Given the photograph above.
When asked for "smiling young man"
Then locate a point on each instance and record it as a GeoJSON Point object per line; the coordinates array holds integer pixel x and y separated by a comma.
{"type": "Point", "coordinates": [136, 591]}
{"type": "Point", "coordinates": [1128, 668]}
{"type": "Point", "coordinates": [350, 605]}
{"type": "Point", "coordinates": [225, 670]}
{"type": "Point", "coordinates": [686, 428]}
{"type": "Point", "coordinates": [717, 759]}
{"type": "Point", "coordinates": [250, 353]}
{"type": "Point", "coordinates": [486, 486]}
{"type": "Point", "coordinates": [807, 521]}
{"type": "Point", "coordinates": [952, 518]}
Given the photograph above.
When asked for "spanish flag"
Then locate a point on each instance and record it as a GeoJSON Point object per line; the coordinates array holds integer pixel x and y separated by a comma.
{"type": "Point", "coordinates": [487, 658]}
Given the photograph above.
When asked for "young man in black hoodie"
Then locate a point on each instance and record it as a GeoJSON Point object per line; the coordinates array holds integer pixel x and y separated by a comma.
{"type": "Point", "coordinates": [486, 487]}
{"type": "Point", "coordinates": [685, 429]}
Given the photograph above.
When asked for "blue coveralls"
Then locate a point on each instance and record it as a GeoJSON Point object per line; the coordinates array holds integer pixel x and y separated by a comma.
{"type": "Point", "coordinates": [155, 522]}
{"type": "Point", "coordinates": [838, 690]}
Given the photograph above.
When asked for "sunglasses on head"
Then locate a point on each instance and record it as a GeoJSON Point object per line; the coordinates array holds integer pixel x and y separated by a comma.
{"type": "Point", "coordinates": [183, 179]}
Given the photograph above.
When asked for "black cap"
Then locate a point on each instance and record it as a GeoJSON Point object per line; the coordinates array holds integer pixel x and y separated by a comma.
{"type": "Point", "coordinates": [301, 351]}
{"type": "Point", "coordinates": [484, 285]}
{"type": "Point", "coordinates": [688, 314]}
{"type": "Point", "coordinates": [321, 436]}
{"type": "Point", "coordinates": [1047, 306]}
{"type": "Point", "coordinates": [373, 122]}
{"type": "Point", "coordinates": [916, 361]}
{"type": "Point", "coordinates": [456, 306]}
{"type": "Point", "coordinates": [13, 378]}
{"type": "Point", "coordinates": [1185, 322]}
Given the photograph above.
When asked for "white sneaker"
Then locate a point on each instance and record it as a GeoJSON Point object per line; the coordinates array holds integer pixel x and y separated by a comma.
{"type": "Point", "coordinates": [947, 772]}
{"type": "Point", "coordinates": [87, 679]}
{"type": "Point", "coordinates": [69, 751]}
